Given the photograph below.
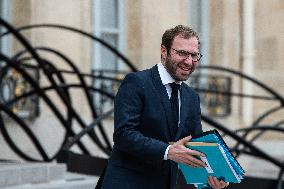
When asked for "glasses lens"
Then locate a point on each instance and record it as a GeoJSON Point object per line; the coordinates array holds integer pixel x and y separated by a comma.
{"type": "Point", "coordinates": [196, 56]}
{"type": "Point", "coordinates": [186, 54]}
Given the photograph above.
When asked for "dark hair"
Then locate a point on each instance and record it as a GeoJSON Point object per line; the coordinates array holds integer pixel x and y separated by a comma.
{"type": "Point", "coordinates": [169, 35]}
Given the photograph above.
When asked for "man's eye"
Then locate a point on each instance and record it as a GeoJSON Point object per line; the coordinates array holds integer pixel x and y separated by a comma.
{"type": "Point", "coordinates": [183, 53]}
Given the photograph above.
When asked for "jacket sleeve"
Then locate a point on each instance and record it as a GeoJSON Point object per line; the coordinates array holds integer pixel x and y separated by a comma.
{"type": "Point", "coordinates": [127, 114]}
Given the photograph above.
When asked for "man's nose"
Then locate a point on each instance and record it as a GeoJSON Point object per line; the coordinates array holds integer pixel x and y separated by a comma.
{"type": "Point", "coordinates": [188, 59]}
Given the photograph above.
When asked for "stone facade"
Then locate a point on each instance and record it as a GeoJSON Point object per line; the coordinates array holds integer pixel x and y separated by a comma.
{"type": "Point", "coordinates": [145, 22]}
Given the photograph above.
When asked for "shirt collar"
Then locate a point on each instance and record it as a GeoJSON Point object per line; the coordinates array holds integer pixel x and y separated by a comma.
{"type": "Point", "coordinates": [165, 76]}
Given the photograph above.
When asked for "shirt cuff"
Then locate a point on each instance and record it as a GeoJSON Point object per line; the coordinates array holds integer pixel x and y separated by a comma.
{"type": "Point", "coordinates": [166, 153]}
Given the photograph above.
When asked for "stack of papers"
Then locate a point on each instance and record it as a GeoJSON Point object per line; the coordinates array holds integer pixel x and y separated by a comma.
{"type": "Point", "coordinates": [219, 160]}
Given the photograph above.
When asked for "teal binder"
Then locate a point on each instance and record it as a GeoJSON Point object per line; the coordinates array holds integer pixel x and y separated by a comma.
{"type": "Point", "coordinates": [220, 162]}
{"type": "Point", "coordinates": [215, 137]}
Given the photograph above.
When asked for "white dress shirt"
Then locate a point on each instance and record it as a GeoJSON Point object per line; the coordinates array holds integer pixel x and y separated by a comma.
{"type": "Point", "coordinates": [166, 80]}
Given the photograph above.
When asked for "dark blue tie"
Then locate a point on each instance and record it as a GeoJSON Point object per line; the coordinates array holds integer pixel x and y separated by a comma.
{"type": "Point", "coordinates": [175, 104]}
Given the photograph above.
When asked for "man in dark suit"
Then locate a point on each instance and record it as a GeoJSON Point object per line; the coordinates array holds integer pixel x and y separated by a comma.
{"type": "Point", "coordinates": [155, 115]}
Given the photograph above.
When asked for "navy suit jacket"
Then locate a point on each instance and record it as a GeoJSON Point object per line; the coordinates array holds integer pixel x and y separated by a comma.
{"type": "Point", "coordinates": [142, 132]}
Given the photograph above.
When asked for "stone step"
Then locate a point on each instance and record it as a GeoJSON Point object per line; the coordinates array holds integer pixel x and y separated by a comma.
{"type": "Point", "coordinates": [70, 181]}
{"type": "Point", "coordinates": [13, 174]}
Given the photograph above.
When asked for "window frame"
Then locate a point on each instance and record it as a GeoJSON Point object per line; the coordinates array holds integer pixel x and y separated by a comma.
{"type": "Point", "coordinates": [98, 31]}
{"type": "Point", "coordinates": [5, 13]}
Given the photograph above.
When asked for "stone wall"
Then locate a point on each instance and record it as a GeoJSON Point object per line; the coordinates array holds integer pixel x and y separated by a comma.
{"type": "Point", "coordinates": [145, 23]}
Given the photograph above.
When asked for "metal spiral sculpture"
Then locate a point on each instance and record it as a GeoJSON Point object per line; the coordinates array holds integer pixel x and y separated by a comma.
{"type": "Point", "coordinates": [68, 115]}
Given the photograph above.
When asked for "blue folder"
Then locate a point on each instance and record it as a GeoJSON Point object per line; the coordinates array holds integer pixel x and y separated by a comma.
{"type": "Point", "coordinates": [221, 163]}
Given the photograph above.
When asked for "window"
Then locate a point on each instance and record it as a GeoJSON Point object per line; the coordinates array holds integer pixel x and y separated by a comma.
{"type": "Point", "coordinates": [109, 26]}
{"type": "Point", "coordinates": [199, 21]}
{"type": "Point", "coordinates": [5, 46]}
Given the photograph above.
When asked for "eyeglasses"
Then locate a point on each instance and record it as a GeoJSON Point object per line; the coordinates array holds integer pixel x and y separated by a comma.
{"type": "Point", "coordinates": [196, 56]}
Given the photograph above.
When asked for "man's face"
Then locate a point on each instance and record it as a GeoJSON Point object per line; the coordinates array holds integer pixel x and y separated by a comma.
{"type": "Point", "coordinates": [180, 67]}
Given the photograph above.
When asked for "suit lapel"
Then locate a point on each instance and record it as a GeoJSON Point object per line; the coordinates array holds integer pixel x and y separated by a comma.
{"type": "Point", "coordinates": [161, 90]}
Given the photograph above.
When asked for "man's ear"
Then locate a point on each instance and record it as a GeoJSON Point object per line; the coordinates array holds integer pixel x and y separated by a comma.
{"type": "Point", "coordinates": [163, 53]}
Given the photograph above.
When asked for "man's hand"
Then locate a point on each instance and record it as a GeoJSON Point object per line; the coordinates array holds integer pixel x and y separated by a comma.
{"type": "Point", "coordinates": [215, 183]}
{"type": "Point", "coordinates": [180, 154]}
